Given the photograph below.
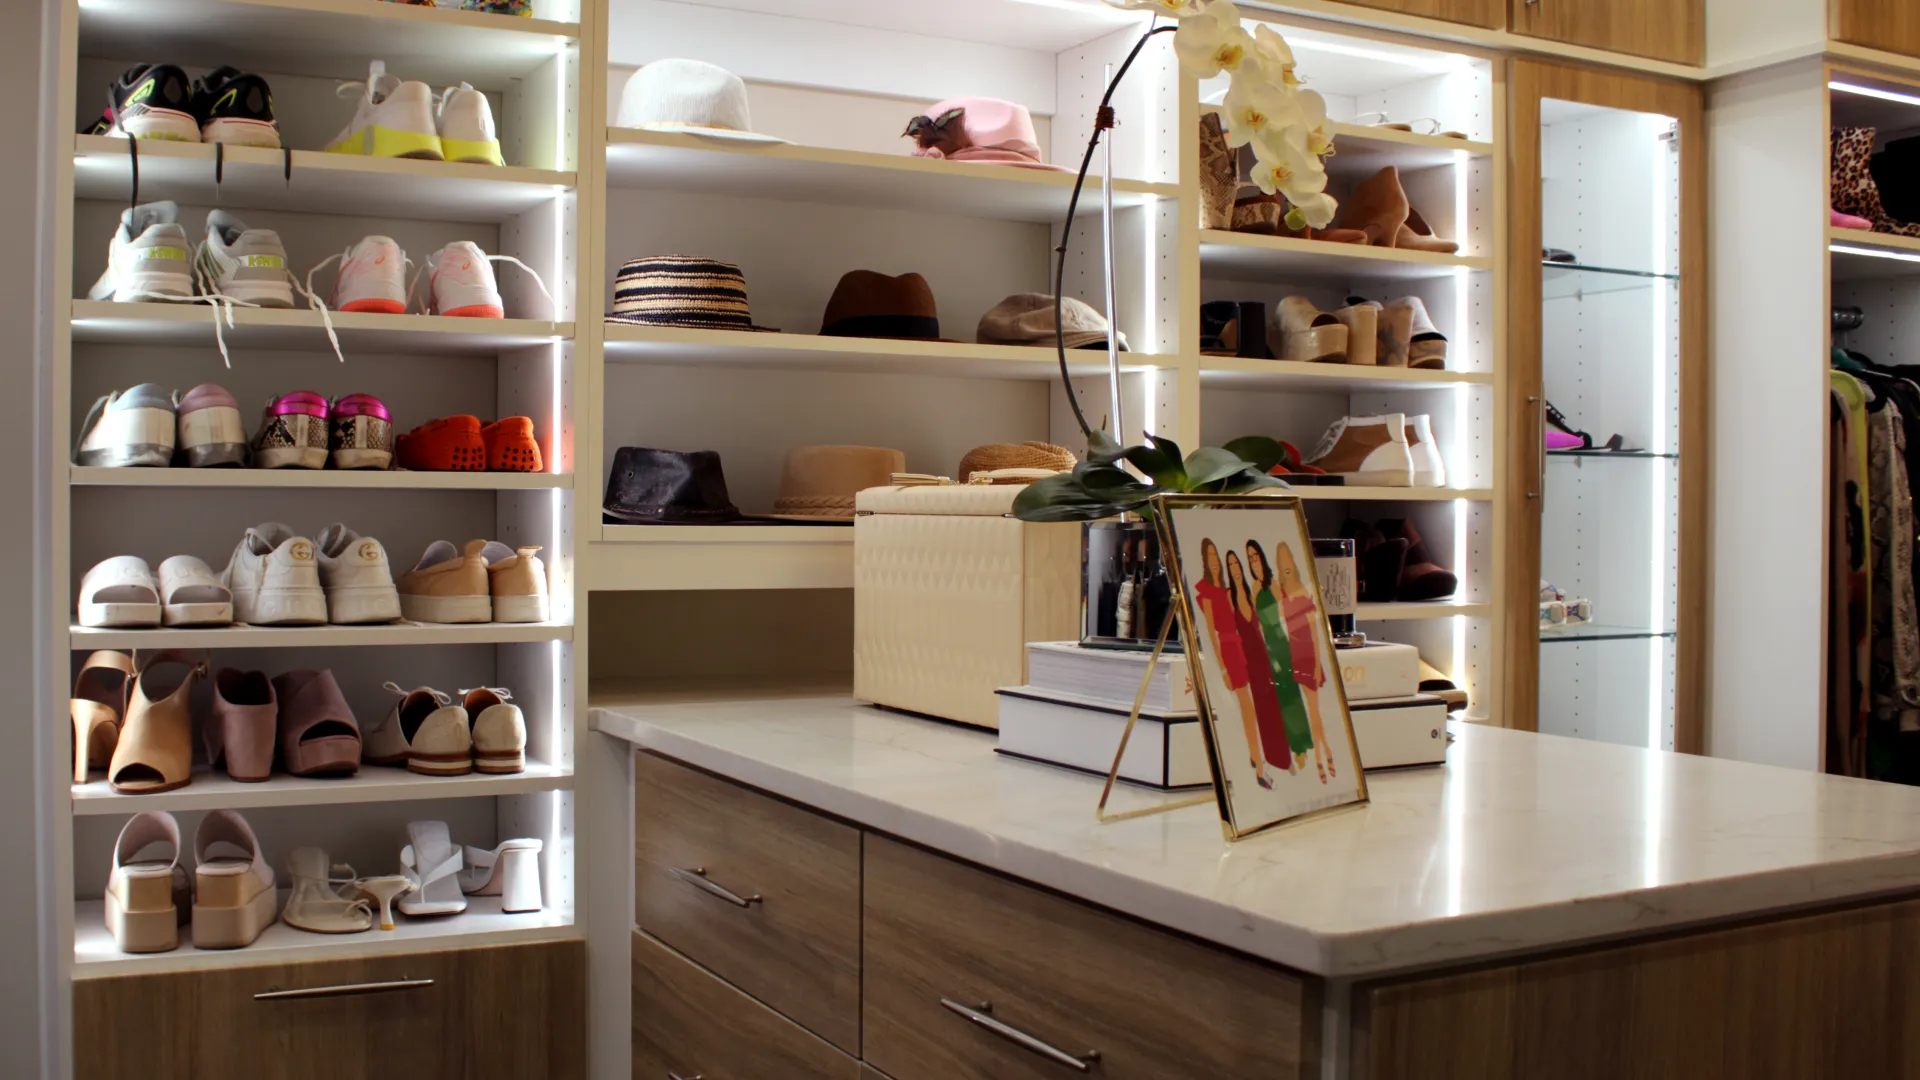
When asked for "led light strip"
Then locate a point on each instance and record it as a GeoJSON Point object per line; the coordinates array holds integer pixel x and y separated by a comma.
{"type": "Point", "coordinates": [1874, 92]}
{"type": "Point", "coordinates": [1874, 253]}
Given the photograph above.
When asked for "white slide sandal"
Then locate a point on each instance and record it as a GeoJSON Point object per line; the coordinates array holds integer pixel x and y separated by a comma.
{"type": "Point", "coordinates": [146, 898]}
{"type": "Point", "coordinates": [120, 591]}
{"type": "Point", "coordinates": [316, 906]}
{"type": "Point", "coordinates": [190, 594]}
{"type": "Point", "coordinates": [510, 871]}
{"type": "Point", "coordinates": [433, 864]}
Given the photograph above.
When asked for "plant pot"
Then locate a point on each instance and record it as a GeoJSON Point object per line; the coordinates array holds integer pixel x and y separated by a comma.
{"type": "Point", "coordinates": [1125, 593]}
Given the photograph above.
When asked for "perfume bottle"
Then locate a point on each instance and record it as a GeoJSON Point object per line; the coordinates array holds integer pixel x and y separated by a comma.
{"type": "Point", "coordinates": [1159, 593]}
{"type": "Point", "coordinates": [1106, 602]}
{"type": "Point", "coordinates": [1126, 616]}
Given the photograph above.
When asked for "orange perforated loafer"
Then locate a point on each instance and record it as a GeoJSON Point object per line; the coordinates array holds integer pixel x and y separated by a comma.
{"type": "Point", "coordinates": [449, 444]}
{"type": "Point", "coordinates": [511, 446]}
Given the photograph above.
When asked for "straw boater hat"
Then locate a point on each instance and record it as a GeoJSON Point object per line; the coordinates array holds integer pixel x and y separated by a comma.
{"type": "Point", "coordinates": [683, 291]}
{"type": "Point", "coordinates": [691, 98]}
{"type": "Point", "coordinates": [1036, 458]}
{"type": "Point", "coordinates": [818, 483]}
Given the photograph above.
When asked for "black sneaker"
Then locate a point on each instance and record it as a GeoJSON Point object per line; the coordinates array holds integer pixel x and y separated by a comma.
{"type": "Point", "coordinates": [149, 101]}
{"type": "Point", "coordinates": [235, 108]}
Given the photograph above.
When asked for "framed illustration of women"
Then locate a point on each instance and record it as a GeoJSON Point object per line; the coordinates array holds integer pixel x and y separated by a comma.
{"type": "Point", "coordinates": [1268, 685]}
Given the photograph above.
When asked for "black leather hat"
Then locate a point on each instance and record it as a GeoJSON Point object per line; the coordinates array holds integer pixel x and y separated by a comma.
{"type": "Point", "coordinates": [667, 487]}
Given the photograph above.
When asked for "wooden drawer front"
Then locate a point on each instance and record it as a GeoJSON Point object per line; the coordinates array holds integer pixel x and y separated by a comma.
{"type": "Point", "coordinates": [688, 1024]}
{"type": "Point", "coordinates": [502, 1013]}
{"type": "Point", "coordinates": [797, 946]}
{"type": "Point", "coordinates": [1073, 977]}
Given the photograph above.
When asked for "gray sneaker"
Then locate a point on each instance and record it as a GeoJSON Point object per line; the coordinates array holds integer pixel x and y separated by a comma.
{"type": "Point", "coordinates": [149, 257]}
{"type": "Point", "coordinates": [131, 427]}
{"type": "Point", "coordinates": [246, 266]}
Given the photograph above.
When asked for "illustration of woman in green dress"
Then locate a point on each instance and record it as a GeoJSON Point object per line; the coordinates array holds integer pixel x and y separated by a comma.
{"type": "Point", "coordinates": [1293, 706]}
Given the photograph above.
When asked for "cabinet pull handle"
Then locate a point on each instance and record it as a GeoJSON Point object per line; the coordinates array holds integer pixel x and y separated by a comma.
{"type": "Point", "coordinates": [978, 1015]}
{"type": "Point", "coordinates": [671, 1075]}
{"type": "Point", "coordinates": [344, 990]}
{"type": "Point", "coordinates": [697, 877]}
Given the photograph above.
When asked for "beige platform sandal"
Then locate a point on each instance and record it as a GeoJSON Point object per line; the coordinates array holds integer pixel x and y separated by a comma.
{"type": "Point", "coordinates": [1308, 334]}
{"type": "Point", "coordinates": [147, 899]}
{"type": "Point", "coordinates": [155, 752]}
{"type": "Point", "coordinates": [98, 705]}
{"type": "Point", "coordinates": [233, 896]}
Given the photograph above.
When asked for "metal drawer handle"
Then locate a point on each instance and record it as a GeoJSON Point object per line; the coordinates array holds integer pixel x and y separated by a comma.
{"type": "Point", "coordinates": [344, 990]}
{"type": "Point", "coordinates": [671, 1075]}
{"type": "Point", "coordinates": [1014, 1035]}
{"type": "Point", "coordinates": [698, 878]}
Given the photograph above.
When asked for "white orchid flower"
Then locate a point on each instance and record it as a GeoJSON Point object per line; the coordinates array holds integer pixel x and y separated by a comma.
{"type": "Point", "coordinates": [1283, 166]}
{"type": "Point", "coordinates": [1312, 109]}
{"type": "Point", "coordinates": [1274, 54]}
{"type": "Point", "coordinates": [1254, 106]}
{"type": "Point", "coordinates": [1172, 9]}
{"type": "Point", "coordinates": [1316, 210]}
{"type": "Point", "coordinates": [1213, 41]}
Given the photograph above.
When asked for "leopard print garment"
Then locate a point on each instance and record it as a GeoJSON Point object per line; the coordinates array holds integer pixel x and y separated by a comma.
{"type": "Point", "coordinates": [1852, 187]}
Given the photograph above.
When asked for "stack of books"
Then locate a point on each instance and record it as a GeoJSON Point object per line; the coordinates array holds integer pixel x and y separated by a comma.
{"type": "Point", "coordinates": [1076, 702]}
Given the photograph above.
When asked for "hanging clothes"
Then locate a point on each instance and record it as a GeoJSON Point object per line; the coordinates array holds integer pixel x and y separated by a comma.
{"type": "Point", "coordinates": [1849, 614]}
{"type": "Point", "coordinates": [1894, 675]}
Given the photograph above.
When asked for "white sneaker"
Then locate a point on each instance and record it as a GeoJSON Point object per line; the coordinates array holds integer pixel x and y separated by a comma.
{"type": "Point", "coordinates": [275, 579]}
{"type": "Point", "coordinates": [372, 277]}
{"type": "Point", "coordinates": [128, 428]}
{"type": "Point", "coordinates": [465, 123]}
{"type": "Point", "coordinates": [242, 265]}
{"type": "Point", "coordinates": [1428, 469]}
{"type": "Point", "coordinates": [1369, 451]}
{"type": "Point", "coordinates": [148, 258]}
{"type": "Point", "coordinates": [357, 577]}
{"type": "Point", "coordinates": [392, 118]}
{"type": "Point", "coordinates": [461, 282]}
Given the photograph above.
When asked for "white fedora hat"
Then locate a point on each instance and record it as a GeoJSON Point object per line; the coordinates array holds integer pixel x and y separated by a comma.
{"type": "Point", "coordinates": [691, 97]}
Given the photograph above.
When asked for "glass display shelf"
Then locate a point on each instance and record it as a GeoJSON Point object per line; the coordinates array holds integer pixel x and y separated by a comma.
{"type": "Point", "coordinates": [1602, 632]}
{"type": "Point", "coordinates": [1601, 455]}
{"type": "Point", "coordinates": [1563, 280]}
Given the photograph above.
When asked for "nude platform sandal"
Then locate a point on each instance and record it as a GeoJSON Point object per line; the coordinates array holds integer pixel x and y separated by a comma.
{"type": "Point", "coordinates": [233, 895]}
{"type": "Point", "coordinates": [155, 752]}
{"type": "Point", "coordinates": [146, 899]}
{"type": "Point", "coordinates": [98, 705]}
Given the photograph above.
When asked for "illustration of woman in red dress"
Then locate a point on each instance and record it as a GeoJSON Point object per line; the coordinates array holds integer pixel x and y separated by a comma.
{"type": "Point", "coordinates": [1296, 602]}
{"type": "Point", "coordinates": [1216, 605]}
{"type": "Point", "coordinates": [1253, 646]}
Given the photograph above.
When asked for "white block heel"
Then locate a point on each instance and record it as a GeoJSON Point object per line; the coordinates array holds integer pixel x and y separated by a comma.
{"type": "Point", "coordinates": [510, 871]}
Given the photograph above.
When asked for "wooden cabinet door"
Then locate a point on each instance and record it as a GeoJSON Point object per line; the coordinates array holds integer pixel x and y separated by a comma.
{"type": "Point", "coordinates": [1491, 14]}
{"type": "Point", "coordinates": [1674, 30]}
{"type": "Point", "coordinates": [502, 1013]}
{"type": "Point", "coordinates": [1893, 25]}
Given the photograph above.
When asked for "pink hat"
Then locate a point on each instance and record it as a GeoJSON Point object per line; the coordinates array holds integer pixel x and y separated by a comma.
{"type": "Point", "coordinates": [979, 129]}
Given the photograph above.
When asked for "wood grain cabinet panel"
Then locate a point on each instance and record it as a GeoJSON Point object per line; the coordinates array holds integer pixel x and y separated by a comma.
{"type": "Point", "coordinates": [1152, 1005]}
{"type": "Point", "coordinates": [1673, 30]}
{"type": "Point", "coordinates": [688, 1024]}
{"type": "Point", "coordinates": [1893, 25]}
{"type": "Point", "coordinates": [795, 944]}
{"type": "Point", "coordinates": [1491, 14]}
{"type": "Point", "coordinates": [504, 1013]}
{"type": "Point", "coordinates": [1829, 995]}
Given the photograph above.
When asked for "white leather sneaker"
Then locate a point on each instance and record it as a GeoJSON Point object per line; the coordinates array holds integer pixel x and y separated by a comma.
{"type": "Point", "coordinates": [1369, 451]}
{"type": "Point", "coordinates": [1428, 469]}
{"type": "Point", "coordinates": [465, 124]}
{"type": "Point", "coordinates": [357, 577]}
{"type": "Point", "coordinates": [275, 579]}
{"type": "Point", "coordinates": [149, 257]}
{"type": "Point", "coordinates": [461, 283]}
{"type": "Point", "coordinates": [391, 118]}
{"type": "Point", "coordinates": [372, 277]}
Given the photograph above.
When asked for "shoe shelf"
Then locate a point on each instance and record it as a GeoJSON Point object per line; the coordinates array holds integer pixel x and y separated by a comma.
{"type": "Point", "coordinates": [1859, 255]}
{"type": "Point", "coordinates": [328, 38]}
{"type": "Point", "coordinates": [671, 557]}
{"type": "Point", "coordinates": [1439, 609]}
{"type": "Point", "coordinates": [1253, 257]}
{"type": "Point", "coordinates": [665, 345]}
{"type": "Point", "coordinates": [305, 637]}
{"type": "Point", "coordinates": [211, 791]}
{"type": "Point", "coordinates": [259, 179]}
{"type": "Point", "coordinates": [364, 479]}
{"type": "Point", "coordinates": [107, 322]}
{"type": "Point", "coordinates": [1360, 151]}
{"type": "Point", "coordinates": [1394, 494]}
{"type": "Point", "coordinates": [483, 923]}
{"type": "Point", "coordinates": [1257, 374]}
{"type": "Point", "coordinates": [692, 163]}
{"type": "Point", "coordinates": [1563, 281]}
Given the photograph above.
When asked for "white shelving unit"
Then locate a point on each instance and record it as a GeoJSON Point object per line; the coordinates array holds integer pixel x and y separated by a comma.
{"type": "Point", "coordinates": [535, 72]}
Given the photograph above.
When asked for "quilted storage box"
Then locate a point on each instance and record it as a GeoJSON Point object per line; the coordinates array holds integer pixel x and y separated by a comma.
{"type": "Point", "coordinates": [947, 591]}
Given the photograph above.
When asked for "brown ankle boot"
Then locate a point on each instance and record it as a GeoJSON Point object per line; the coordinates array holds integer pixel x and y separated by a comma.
{"type": "Point", "coordinates": [1378, 208]}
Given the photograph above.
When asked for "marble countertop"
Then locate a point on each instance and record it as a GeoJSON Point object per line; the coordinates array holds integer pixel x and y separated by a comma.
{"type": "Point", "coordinates": [1520, 842]}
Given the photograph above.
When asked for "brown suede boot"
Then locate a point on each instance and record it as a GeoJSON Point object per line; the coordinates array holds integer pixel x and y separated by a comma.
{"type": "Point", "coordinates": [1378, 207]}
{"type": "Point", "coordinates": [1368, 451]}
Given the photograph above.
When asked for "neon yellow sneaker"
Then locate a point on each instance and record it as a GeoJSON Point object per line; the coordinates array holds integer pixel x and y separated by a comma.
{"type": "Point", "coordinates": [392, 118]}
{"type": "Point", "coordinates": [466, 127]}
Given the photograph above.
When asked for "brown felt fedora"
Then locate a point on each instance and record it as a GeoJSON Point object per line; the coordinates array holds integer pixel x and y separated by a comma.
{"type": "Point", "coordinates": [873, 305]}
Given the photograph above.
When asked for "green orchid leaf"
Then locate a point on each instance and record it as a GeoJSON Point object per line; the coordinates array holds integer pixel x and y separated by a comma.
{"type": "Point", "coordinates": [1110, 482]}
{"type": "Point", "coordinates": [1102, 450]}
{"type": "Point", "coordinates": [1251, 481]}
{"type": "Point", "coordinates": [1210, 464]}
{"type": "Point", "coordinates": [1166, 446]}
{"type": "Point", "coordinates": [1161, 469]}
{"type": "Point", "coordinates": [1259, 451]}
{"type": "Point", "coordinates": [1060, 498]}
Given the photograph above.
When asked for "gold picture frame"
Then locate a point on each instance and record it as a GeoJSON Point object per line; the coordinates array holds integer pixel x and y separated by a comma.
{"type": "Point", "coordinates": [1250, 702]}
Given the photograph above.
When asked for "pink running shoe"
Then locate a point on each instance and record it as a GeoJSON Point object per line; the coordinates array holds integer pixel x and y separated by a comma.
{"type": "Point", "coordinates": [360, 433]}
{"type": "Point", "coordinates": [293, 433]}
{"type": "Point", "coordinates": [210, 430]}
{"type": "Point", "coordinates": [461, 282]}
